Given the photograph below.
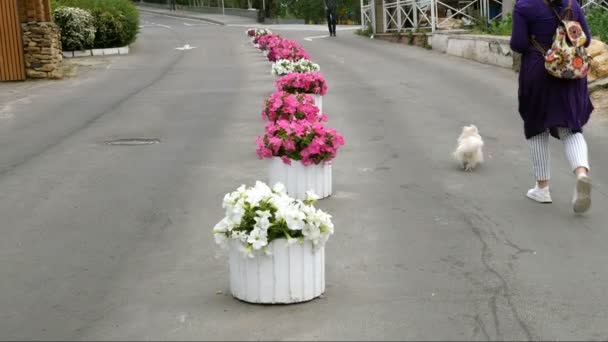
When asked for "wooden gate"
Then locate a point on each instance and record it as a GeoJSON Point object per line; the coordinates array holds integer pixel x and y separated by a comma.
{"type": "Point", "coordinates": [12, 66]}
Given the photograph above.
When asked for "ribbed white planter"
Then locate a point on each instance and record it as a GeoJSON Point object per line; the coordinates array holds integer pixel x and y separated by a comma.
{"type": "Point", "coordinates": [293, 274]}
{"type": "Point", "coordinates": [298, 179]}
{"type": "Point", "coordinates": [318, 102]}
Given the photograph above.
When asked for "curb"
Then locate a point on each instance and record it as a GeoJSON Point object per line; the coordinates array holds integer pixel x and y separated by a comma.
{"type": "Point", "coordinates": [179, 15]}
{"type": "Point", "coordinates": [97, 52]}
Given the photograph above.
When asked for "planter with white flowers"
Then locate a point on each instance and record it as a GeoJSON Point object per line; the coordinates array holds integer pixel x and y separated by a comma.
{"type": "Point", "coordinates": [310, 83]}
{"type": "Point", "coordinates": [298, 144]}
{"type": "Point", "coordinates": [276, 245]}
{"type": "Point", "coordinates": [283, 67]}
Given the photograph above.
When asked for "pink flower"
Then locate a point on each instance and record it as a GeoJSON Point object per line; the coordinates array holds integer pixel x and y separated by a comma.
{"type": "Point", "coordinates": [286, 160]}
{"type": "Point", "coordinates": [275, 143]}
{"type": "Point", "coordinates": [310, 83]}
{"type": "Point", "coordinates": [308, 142]}
{"type": "Point", "coordinates": [283, 105]}
{"type": "Point", "coordinates": [289, 145]}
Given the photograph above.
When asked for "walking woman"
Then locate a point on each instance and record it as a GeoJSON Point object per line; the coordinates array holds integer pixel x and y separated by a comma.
{"type": "Point", "coordinates": [551, 106]}
{"type": "Point", "coordinates": [331, 12]}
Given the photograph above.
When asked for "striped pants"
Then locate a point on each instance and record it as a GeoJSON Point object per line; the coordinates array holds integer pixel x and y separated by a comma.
{"type": "Point", "coordinates": [574, 144]}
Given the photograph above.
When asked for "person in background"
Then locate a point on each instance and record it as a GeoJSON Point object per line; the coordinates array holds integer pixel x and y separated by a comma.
{"type": "Point", "coordinates": [551, 106]}
{"type": "Point", "coordinates": [331, 12]}
{"type": "Point", "coordinates": [173, 5]}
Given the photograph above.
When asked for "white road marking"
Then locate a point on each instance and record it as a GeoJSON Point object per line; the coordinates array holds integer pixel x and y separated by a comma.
{"type": "Point", "coordinates": [154, 25]}
{"type": "Point", "coordinates": [317, 37]}
{"type": "Point", "coordinates": [186, 47]}
{"type": "Point", "coordinates": [195, 24]}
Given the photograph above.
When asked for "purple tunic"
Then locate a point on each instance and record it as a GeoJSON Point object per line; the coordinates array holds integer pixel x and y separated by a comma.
{"type": "Point", "coordinates": [546, 102]}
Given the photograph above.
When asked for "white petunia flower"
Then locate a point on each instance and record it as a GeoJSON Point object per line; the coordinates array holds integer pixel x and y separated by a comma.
{"type": "Point", "coordinates": [239, 235]}
{"type": "Point", "coordinates": [311, 197]}
{"type": "Point", "coordinates": [258, 238]}
{"type": "Point", "coordinates": [235, 214]}
{"type": "Point", "coordinates": [220, 238]}
{"type": "Point", "coordinates": [279, 188]}
{"type": "Point", "coordinates": [262, 221]}
{"type": "Point", "coordinates": [294, 218]}
{"type": "Point", "coordinates": [225, 225]}
{"type": "Point", "coordinates": [312, 233]}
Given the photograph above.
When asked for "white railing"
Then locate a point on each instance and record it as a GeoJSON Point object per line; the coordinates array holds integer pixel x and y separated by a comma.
{"type": "Point", "coordinates": [402, 15]}
{"type": "Point", "coordinates": [412, 15]}
{"type": "Point", "coordinates": [368, 14]}
{"type": "Point", "coordinates": [595, 3]}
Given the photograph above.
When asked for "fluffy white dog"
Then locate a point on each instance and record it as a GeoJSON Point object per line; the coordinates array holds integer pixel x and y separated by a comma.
{"type": "Point", "coordinates": [469, 150]}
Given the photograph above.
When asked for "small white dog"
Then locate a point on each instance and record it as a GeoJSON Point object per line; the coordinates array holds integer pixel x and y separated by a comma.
{"type": "Point", "coordinates": [469, 151]}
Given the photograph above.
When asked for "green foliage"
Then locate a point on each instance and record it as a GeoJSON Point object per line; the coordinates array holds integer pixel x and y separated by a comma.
{"type": "Point", "coordinates": [598, 22]}
{"type": "Point", "coordinates": [77, 28]}
{"type": "Point", "coordinates": [367, 32]}
{"type": "Point", "coordinates": [116, 21]}
{"type": "Point", "coordinates": [111, 30]}
{"type": "Point", "coordinates": [313, 11]}
{"type": "Point", "coordinates": [502, 27]}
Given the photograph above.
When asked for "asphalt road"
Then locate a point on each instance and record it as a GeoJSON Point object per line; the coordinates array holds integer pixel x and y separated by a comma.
{"type": "Point", "coordinates": [114, 242]}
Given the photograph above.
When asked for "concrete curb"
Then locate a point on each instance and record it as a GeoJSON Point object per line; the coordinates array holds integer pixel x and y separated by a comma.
{"type": "Point", "coordinates": [180, 15]}
{"type": "Point", "coordinates": [97, 52]}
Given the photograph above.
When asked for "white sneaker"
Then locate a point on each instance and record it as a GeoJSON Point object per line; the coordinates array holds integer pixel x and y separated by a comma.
{"type": "Point", "coordinates": [541, 195]}
{"type": "Point", "coordinates": [582, 194]}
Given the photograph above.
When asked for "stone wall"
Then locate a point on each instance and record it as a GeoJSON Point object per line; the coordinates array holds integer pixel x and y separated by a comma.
{"type": "Point", "coordinates": [599, 67]}
{"type": "Point", "coordinates": [42, 45]}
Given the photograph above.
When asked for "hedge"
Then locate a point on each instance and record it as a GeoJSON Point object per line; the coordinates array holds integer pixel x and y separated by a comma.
{"type": "Point", "coordinates": [77, 28]}
{"type": "Point", "coordinates": [116, 21]}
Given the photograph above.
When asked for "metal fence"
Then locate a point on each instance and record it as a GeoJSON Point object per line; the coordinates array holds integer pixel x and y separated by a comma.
{"type": "Point", "coordinates": [412, 15]}
{"type": "Point", "coordinates": [595, 3]}
{"type": "Point", "coordinates": [368, 14]}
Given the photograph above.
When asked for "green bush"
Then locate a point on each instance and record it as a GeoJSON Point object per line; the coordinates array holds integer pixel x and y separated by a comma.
{"type": "Point", "coordinates": [77, 28]}
{"type": "Point", "coordinates": [111, 30]}
{"type": "Point", "coordinates": [502, 27]}
{"type": "Point", "coordinates": [116, 21]}
{"type": "Point", "coordinates": [598, 23]}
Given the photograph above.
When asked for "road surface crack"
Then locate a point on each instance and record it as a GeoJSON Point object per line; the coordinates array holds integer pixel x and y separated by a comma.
{"type": "Point", "coordinates": [501, 289]}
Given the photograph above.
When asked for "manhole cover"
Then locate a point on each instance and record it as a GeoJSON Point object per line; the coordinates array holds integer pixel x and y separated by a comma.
{"type": "Point", "coordinates": [132, 142]}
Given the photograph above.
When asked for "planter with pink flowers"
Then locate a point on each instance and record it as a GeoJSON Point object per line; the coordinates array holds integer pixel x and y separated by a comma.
{"type": "Point", "coordinates": [301, 152]}
{"type": "Point", "coordinates": [311, 83]}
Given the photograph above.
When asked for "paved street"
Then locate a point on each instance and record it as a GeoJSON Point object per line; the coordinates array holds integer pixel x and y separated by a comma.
{"type": "Point", "coordinates": [114, 242]}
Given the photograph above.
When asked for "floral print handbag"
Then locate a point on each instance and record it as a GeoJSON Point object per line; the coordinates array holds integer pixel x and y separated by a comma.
{"type": "Point", "coordinates": [567, 58]}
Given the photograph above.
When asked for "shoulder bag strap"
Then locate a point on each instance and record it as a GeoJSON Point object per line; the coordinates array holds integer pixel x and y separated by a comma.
{"type": "Point", "coordinates": [559, 17]}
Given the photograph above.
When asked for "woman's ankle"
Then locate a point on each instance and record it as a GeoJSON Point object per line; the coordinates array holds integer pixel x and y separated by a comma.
{"type": "Point", "coordinates": [542, 184]}
{"type": "Point", "coordinates": [581, 171]}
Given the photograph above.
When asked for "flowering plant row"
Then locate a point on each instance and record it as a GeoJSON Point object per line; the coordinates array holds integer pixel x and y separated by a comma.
{"type": "Point", "coordinates": [301, 140]}
{"type": "Point", "coordinates": [258, 215]}
{"type": "Point", "coordinates": [253, 32]}
{"type": "Point", "coordinates": [267, 41]}
{"type": "Point", "coordinates": [309, 83]}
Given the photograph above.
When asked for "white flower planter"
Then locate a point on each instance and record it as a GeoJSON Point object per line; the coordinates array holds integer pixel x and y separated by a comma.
{"type": "Point", "coordinates": [318, 102]}
{"type": "Point", "coordinates": [293, 274]}
{"type": "Point", "coordinates": [298, 179]}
